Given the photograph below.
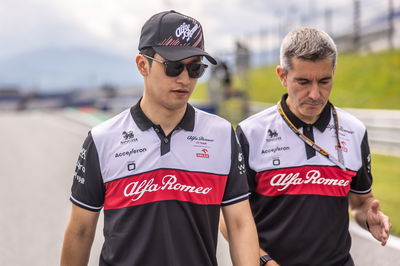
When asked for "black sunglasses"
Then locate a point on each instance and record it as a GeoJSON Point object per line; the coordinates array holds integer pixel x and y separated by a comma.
{"type": "Point", "coordinates": [175, 68]}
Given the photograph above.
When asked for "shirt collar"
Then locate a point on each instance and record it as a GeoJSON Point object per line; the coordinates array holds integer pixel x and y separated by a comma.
{"type": "Point", "coordinates": [144, 123]}
{"type": "Point", "coordinates": [320, 124]}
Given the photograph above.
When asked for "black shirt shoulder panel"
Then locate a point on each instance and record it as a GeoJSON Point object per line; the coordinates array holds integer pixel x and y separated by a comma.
{"type": "Point", "coordinates": [236, 188]}
{"type": "Point", "coordinates": [250, 173]}
{"type": "Point", "coordinates": [362, 182]}
{"type": "Point", "coordinates": [88, 188]}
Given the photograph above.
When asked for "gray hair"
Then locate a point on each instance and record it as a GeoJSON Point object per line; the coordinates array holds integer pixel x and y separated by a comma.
{"type": "Point", "coordinates": [306, 44]}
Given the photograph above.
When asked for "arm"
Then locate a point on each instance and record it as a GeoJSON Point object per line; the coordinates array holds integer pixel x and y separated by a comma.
{"type": "Point", "coordinates": [261, 251]}
{"type": "Point", "coordinates": [243, 241]}
{"type": "Point", "coordinates": [250, 173]}
{"type": "Point", "coordinates": [78, 237]}
{"type": "Point", "coordinates": [365, 210]}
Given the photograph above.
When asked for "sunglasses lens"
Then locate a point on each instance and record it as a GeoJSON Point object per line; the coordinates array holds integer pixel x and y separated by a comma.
{"type": "Point", "coordinates": [173, 69]}
{"type": "Point", "coordinates": [196, 70]}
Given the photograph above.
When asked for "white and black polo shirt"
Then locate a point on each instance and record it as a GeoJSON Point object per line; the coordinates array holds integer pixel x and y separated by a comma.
{"type": "Point", "coordinates": [300, 198]}
{"type": "Point", "coordinates": [161, 194]}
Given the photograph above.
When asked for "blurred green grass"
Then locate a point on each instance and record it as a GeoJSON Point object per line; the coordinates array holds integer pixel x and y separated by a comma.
{"type": "Point", "coordinates": [361, 81]}
{"type": "Point", "coordinates": [200, 93]}
{"type": "Point", "coordinates": [386, 186]}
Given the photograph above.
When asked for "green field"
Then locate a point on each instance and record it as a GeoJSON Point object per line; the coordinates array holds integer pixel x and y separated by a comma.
{"type": "Point", "coordinates": [386, 187]}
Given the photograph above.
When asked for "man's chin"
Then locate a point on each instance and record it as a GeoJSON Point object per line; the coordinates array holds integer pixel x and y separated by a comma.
{"type": "Point", "coordinates": [311, 114]}
{"type": "Point", "coordinates": [176, 105]}
{"type": "Point", "coordinates": [313, 109]}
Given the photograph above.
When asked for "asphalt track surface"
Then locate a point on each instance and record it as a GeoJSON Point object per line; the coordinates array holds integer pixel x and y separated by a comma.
{"type": "Point", "coordinates": [38, 154]}
{"type": "Point", "coordinates": [38, 151]}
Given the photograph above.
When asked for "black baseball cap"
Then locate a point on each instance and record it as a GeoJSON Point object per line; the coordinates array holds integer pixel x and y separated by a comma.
{"type": "Point", "coordinates": [174, 36]}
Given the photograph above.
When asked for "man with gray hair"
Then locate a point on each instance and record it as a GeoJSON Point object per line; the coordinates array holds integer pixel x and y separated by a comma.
{"type": "Point", "coordinates": [307, 160]}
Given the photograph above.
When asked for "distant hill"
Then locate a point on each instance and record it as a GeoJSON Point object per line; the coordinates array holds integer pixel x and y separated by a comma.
{"type": "Point", "coordinates": [58, 69]}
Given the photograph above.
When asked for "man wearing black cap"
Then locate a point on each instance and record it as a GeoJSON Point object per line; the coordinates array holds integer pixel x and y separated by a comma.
{"type": "Point", "coordinates": [162, 169]}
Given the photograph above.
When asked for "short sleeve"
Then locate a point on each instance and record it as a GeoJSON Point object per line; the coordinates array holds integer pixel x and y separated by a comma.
{"type": "Point", "coordinates": [245, 149]}
{"type": "Point", "coordinates": [88, 188]}
{"type": "Point", "coordinates": [362, 181]}
{"type": "Point", "coordinates": [236, 188]}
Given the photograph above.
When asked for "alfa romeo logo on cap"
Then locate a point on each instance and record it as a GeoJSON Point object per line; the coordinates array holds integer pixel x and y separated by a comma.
{"type": "Point", "coordinates": [185, 31]}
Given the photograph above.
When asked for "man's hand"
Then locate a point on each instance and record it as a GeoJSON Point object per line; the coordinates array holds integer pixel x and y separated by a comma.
{"type": "Point", "coordinates": [378, 223]}
{"type": "Point", "coordinates": [365, 209]}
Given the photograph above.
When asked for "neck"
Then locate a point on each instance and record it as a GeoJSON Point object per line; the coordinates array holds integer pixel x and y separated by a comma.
{"type": "Point", "coordinates": [168, 119]}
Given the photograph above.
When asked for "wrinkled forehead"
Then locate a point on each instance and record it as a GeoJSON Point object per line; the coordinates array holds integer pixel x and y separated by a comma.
{"type": "Point", "coordinates": [309, 68]}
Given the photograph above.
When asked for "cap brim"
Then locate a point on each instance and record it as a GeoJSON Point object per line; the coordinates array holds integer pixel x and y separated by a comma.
{"type": "Point", "coordinates": [178, 53]}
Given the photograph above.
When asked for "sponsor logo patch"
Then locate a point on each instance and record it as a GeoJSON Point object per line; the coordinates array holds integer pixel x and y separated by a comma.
{"type": "Point", "coordinates": [307, 180]}
{"type": "Point", "coordinates": [200, 141]}
{"type": "Point", "coordinates": [283, 181]}
{"type": "Point", "coordinates": [343, 145]}
{"type": "Point", "coordinates": [276, 161]}
{"type": "Point", "coordinates": [272, 135]}
{"type": "Point", "coordinates": [341, 129]}
{"type": "Point", "coordinates": [274, 150]}
{"type": "Point", "coordinates": [199, 138]}
{"type": "Point", "coordinates": [135, 190]}
{"type": "Point", "coordinates": [128, 137]}
{"type": "Point", "coordinates": [130, 152]}
{"type": "Point", "coordinates": [131, 166]}
{"type": "Point", "coordinates": [162, 185]}
{"type": "Point", "coordinates": [82, 154]}
{"type": "Point", "coordinates": [185, 32]}
{"type": "Point", "coordinates": [203, 154]}
{"type": "Point", "coordinates": [80, 168]}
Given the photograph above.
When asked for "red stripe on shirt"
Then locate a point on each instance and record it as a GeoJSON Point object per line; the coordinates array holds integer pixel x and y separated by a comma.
{"type": "Point", "coordinates": [160, 185]}
{"type": "Point", "coordinates": [314, 180]}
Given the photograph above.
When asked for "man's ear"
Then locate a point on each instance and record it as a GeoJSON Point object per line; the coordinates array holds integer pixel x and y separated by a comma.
{"type": "Point", "coordinates": [281, 75]}
{"type": "Point", "coordinates": [142, 65]}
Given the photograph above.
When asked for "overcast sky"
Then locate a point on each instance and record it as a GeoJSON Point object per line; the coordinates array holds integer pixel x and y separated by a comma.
{"type": "Point", "coordinates": [114, 25]}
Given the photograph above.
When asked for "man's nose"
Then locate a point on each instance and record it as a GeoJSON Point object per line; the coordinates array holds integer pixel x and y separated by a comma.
{"type": "Point", "coordinates": [314, 92]}
{"type": "Point", "coordinates": [183, 77]}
